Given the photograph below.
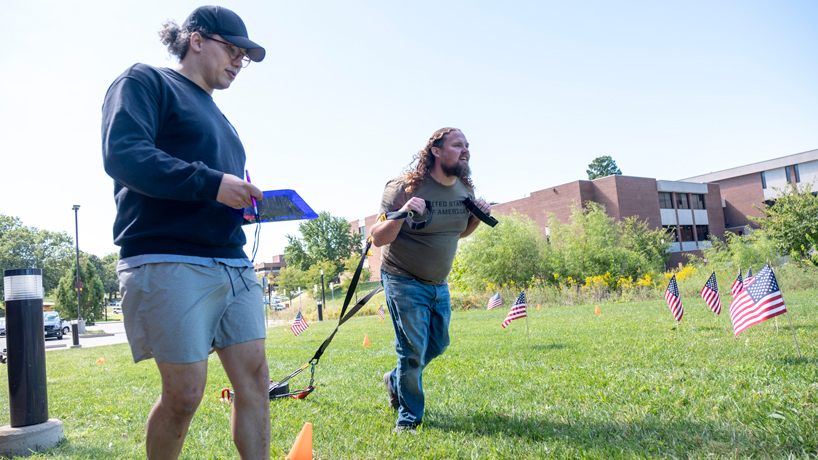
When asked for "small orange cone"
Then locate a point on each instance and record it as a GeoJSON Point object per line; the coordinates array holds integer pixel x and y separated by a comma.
{"type": "Point", "coordinates": [597, 311]}
{"type": "Point", "coordinates": [100, 360]}
{"type": "Point", "coordinates": [539, 307]}
{"type": "Point", "coordinates": [366, 340]}
{"type": "Point", "coordinates": [302, 447]}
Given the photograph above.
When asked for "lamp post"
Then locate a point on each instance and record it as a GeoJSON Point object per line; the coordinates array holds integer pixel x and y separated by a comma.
{"type": "Point", "coordinates": [323, 298]}
{"type": "Point", "coordinates": [76, 336]}
{"type": "Point", "coordinates": [76, 208]}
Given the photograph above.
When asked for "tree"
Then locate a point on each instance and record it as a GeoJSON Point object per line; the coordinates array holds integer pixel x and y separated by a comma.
{"type": "Point", "coordinates": [325, 238]}
{"type": "Point", "coordinates": [350, 265]}
{"type": "Point", "coordinates": [513, 250]}
{"type": "Point", "coordinates": [291, 278]}
{"type": "Point", "coordinates": [588, 244]}
{"type": "Point", "coordinates": [92, 292]}
{"type": "Point", "coordinates": [602, 167]}
{"type": "Point", "coordinates": [752, 250]}
{"type": "Point", "coordinates": [108, 275]}
{"type": "Point", "coordinates": [646, 249]}
{"type": "Point", "coordinates": [792, 220]}
{"type": "Point", "coordinates": [30, 247]}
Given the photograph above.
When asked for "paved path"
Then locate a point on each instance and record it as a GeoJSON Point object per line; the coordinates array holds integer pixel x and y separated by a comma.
{"type": "Point", "coordinates": [114, 330]}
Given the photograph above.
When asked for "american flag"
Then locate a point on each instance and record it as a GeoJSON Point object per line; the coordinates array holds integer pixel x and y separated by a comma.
{"type": "Point", "coordinates": [749, 278]}
{"type": "Point", "coordinates": [517, 310]}
{"type": "Point", "coordinates": [673, 299]}
{"type": "Point", "coordinates": [380, 312]}
{"type": "Point", "coordinates": [495, 301]}
{"type": "Point", "coordinates": [710, 294]}
{"type": "Point", "coordinates": [758, 302]}
{"type": "Point", "coordinates": [738, 284]}
{"type": "Point", "coordinates": [299, 324]}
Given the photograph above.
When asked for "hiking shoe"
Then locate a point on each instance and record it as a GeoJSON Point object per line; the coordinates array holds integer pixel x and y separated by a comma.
{"type": "Point", "coordinates": [390, 392]}
{"type": "Point", "coordinates": [405, 429]}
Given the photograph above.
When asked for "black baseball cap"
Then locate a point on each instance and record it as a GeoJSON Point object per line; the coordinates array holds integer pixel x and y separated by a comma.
{"type": "Point", "coordinates": [220, 20]}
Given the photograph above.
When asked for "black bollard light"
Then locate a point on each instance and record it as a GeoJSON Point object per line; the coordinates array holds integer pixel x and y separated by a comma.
{"type": "Point", "coordinates": [25, 342]}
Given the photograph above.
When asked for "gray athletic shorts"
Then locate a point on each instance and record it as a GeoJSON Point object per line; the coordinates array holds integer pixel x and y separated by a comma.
{"type": "Point", "coordinates": [175, 312]}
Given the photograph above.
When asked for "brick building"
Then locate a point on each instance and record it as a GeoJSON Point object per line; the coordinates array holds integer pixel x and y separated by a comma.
{"type": "Point", "coordinates": [695, 207]}
{"type": "Point", "coordinates": [693, 210]}
{"type": "Point", "coordinates": [273, 267]}
{"type": "Point", "coordinates": [745, 188]}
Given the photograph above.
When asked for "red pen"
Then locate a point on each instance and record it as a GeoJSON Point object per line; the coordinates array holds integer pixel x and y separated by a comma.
{"type": "Point", "coordinates": [255, 206]}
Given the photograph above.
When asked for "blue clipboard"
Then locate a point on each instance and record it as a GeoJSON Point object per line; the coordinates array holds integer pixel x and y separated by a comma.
{"type": "Point", "coordinates": [279, 206]}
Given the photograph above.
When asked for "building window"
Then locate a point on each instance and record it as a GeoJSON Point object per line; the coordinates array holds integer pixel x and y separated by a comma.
{"type": "Point", "coordinates": [681, 201]}
{"type": "Point", "coordinates": [687, 232]}
{"type": "Point", "coordinates": [665, 200]}
{"type": "Point", "coordinates": [763, 180]}
{"type": "Point", "coordinates": [697, 201]}
{"type": "Point", "coordinates": [702, 233]}
{"type": "Point", "coordinates": [787, 173]}
{"type": "Point", "coordinates": [797, 174]}
{"type": "Point", "coordinates": [671, 232]}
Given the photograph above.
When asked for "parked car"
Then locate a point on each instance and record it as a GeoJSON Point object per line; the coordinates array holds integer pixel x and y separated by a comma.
{"type": "Point", "coordinates": [117, 310]}
{"type": "Point", "coordinates": [3, 326]}
{"type": "Point", "coordinates": [66, 327]}
{"type": "Point", "coordinates": [115, 303]}
{"type": "Point", "coordinates": [53, 324]}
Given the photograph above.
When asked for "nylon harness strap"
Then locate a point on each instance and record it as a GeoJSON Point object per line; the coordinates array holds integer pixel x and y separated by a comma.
{"type": "Point", "coordinates": [346, 315]}
{"type": "Point", "coordinates": [395, 215]}
{"type": "Point", "coordinates": [487, 219]}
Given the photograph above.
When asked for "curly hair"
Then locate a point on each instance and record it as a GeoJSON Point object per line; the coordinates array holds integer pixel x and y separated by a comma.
{"type": "Point", "coordinates": [177, 39]}
{"type": "Point", "coordinates": [424, 160]}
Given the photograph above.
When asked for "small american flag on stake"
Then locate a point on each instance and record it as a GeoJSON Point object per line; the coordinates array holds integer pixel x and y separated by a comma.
{"type": "Point", "coordinates": [749, 278]}
{"type": "Point", "coordinates": [517, 310]}
{"type": "Point", "coordinates": [299, 324]}
{"type": "Point", "coordinates": [673, 299]}
{"type": "Point", "coordinates": [710, 294]}
{"type": "Point", "coordinates": [738, 284]}
{"type": "Point", "coordinates": [495, 301]}
{"type": "Point", "coordinates": [380, 312]}
{"type": "Point", "coordinates": [758, 302]}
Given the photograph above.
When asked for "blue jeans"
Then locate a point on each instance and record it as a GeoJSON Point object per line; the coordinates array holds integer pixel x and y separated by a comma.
{"type": "Point", "coordinates": [420, 315]}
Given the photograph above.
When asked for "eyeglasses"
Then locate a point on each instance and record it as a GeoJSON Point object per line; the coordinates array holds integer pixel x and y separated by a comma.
{"type": "Point", "coordinates": [233, 51]}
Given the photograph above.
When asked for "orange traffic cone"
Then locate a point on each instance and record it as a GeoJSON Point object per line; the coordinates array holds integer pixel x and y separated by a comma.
{"type": "Point", "coordinates": [302, 447]}
{"type": "Point", "coordinates": [366, 340]}
{"type": "Point", "coordinates": [597, 311]}
{"type": "Point", "coordinates": [539, 307]}
{"type": "Point", "coordinates": [100, 360]}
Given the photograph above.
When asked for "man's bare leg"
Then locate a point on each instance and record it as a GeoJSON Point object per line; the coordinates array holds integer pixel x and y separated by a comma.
{"type": "Point", "coordinates": [182, 390]}
{"type": "Point", "coordinates": [246, 367]}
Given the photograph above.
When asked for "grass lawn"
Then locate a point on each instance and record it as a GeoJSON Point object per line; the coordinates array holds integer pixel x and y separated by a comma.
{"type": "Point", "coordinates": [628, 383]}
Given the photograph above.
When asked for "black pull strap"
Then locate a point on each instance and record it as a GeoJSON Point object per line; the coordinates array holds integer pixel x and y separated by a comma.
{"type": "Point", "coordinates": [395, 215]}
{"type": "Point", "coordinates": [487, 219]}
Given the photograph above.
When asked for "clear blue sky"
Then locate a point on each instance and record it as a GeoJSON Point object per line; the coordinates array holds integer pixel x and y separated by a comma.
{"type": "Point", "coordinates": [350, 90]}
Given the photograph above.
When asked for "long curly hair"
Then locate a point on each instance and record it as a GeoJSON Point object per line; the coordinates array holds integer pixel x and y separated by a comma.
{"type": "Point", "coordinates": [420, 168]}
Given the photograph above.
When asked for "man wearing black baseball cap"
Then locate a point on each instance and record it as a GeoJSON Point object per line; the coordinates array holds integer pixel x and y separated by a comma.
{"type": "Point", "coordinates": [187, 286]}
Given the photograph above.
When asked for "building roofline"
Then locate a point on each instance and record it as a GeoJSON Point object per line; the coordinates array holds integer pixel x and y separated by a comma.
{"type": "Point", "coordinates": [752, 168]}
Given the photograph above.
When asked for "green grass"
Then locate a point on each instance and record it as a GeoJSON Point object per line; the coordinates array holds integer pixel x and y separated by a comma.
{"type": "Point", "coordinates": [628, 383]}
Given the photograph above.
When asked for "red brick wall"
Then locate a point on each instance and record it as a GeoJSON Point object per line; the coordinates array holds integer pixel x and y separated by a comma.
{"type": "Point", "coordinates": [637, 196]}
{"type": "Point", "coordinates": [374, 260]}
{"type": "Point", "coordinates": [715, 216]}
{"type": "Point", "coordinates": [741, 193]}
{"type": "Point", "coordinates": [605, 194]}
{"type": "Point", "coordinates": [557, 200]}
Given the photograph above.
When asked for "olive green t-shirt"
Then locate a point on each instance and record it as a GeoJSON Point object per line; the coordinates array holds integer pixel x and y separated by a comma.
{"type": "Point", "coordinates": [426, 254]}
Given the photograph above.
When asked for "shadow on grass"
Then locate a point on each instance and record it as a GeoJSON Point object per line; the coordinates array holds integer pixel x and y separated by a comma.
{"type": "Point", "coordinates": [793, 361]}
{"type": "Point", "coordinates": [550, 346]}
{"type": "Point", "coordinates": [645, 437]}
